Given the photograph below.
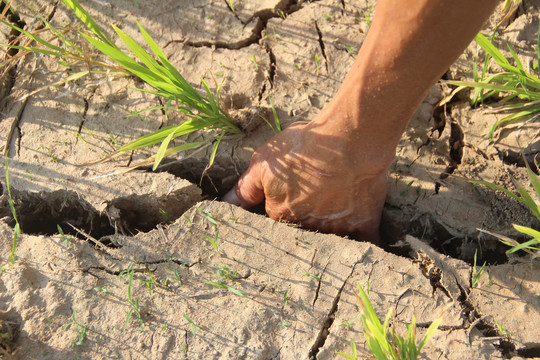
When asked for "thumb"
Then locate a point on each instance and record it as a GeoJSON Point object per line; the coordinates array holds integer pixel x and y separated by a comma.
{"type": "Point", "coordinates": [249, 190]}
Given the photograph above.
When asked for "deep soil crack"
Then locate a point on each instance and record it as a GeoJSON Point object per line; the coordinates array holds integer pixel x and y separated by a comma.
{"type": "Point", "coordinates": [318, 287]}
{"type": "Point", "coordinates": [260, 17]}
{"type": "Point", "coordinates": [41, 213]}
{"type": "Point", "coordinates": [271, 72]}
{"type": "Point", "coordinates": [331, 317]}
{"type": "Point", "coordinates": [456, 153]}
{"type": "Point", "coordinates": [9, 74]}
{"type": "Point", "coordinates": [15, 127]}
{"type": "Point", "coordinates": [321, 45]}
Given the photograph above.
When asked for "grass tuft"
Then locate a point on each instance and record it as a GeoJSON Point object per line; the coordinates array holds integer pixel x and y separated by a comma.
{"type": "Point", "coordinates": [520, 89]}
{"type": "Point", "coordinates": [200, 112]}
{"type": "Point", "coordinates": [533, 245]}
{"type": "Point", "coordinates": [383, 342]}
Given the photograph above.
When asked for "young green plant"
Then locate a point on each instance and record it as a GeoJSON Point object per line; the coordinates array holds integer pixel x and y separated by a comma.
{"type": "Point", "coordinates": [200, 112]}
{"type": "Point", "coordinates": [79, 328]}
{"type": "Point", "coordinates": [135, 308]}
{"type": "Point", "coordinates": [514, 82]}
{"type": "Point", "coordinates": [277, 124]}
{"type": "Point", "coordinates": [531, 246]}
{"type": "Point", "coordinates": [210, 218]}
{"type": "Point", "coordinates": [382, 340]}
{"type": "Point", "coordinates": [475, 277]}
{"type": "Point", "coordinates": [193, 326]}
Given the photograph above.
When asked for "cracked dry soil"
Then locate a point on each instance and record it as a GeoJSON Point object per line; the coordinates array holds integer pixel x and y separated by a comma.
{"type": "Point", "coordinates": [273, 291]}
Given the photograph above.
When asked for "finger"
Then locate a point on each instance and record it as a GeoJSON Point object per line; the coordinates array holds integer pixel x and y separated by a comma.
{"type": "Point", "coordinates": [249, 190]}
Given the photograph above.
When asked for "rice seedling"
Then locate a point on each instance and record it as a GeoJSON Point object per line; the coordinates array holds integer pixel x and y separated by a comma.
{"type": "Point", "coordinates": [17, 228]}
{"type": "Point", "coordinates": [177, 277]}
{"type": "Point", "coordinates": [314, 277]}
{"type": "Point", "coordinates": [150, 281]}
{"type": "Point", "coordinates": [405, 191]}
{"type": "Point", "coordinates": [317, 68]}
{"type": "Point", "coordinates": [190, 223]}
{"type": "Point", "coordinates": [193, 326]}
{"type": "Point", "coordinates": [66, 239]}
{"type": "Point", "coordinates": [225, 274]}
{"type": "Point", "coordinates": [277, 124]}
{"type": "Point", "coordinates": [286, 297]}
{"type": "Point", "coordinates": [200, 112]}
{"type": "Point", "coordinates": [383, 342]}
{"type": "Point", "coordinates": [227, 287]}
{"type": "Point", "coordinates": [254, 60]}
{"type": "Point", "coordinates": [349, 324]}
{"type": "Point", "coordinates": [231, 6]}
{"type": "Point", "coordinates": [80, 329]}
{"type": "Point", "coordinates": [351, 50]}
{"type": "Point", "coordinates": [103, 291]}
{"type": "Point", "coordinates": [532, 246]}
{"type": "Point", "coordinates": [513, 83]}
{"type": "Point", "coordinates": [214, 241]}
{"type": "Point", "coordinates": [328, 16]}
{"type": "Point", "coordinates": [353, 356]}
{"type": "Point", "coordinates": [135, 308]}
{"type": "Point", "coordinates": [502, 330]}
{"type": "Point", "coordinates": [475, 277]}
{"type": "Point", "coordinates": [367, 16]}
{"type": "Point", "coordinates": [49, 151]}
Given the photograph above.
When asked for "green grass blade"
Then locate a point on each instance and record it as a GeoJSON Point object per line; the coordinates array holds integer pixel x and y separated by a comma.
{"type": "Point", "coordinates": [490, 49]}
{"type": "Point", "coordinates": [87, 20]}
{"type": "Point", "coordinates": [235, 291]}
{"type": "Point", "coordinates": [498, 188]}
{"type": "Point", "coordinates": [35, 38]}
{"type": "Point", "coordinates": [526, 245]}
{"type": "Point", "coordinates": [61, 36]}
{"type": "Point", "coordinates": [214, 150]}
{"type": "Point", "coordinates": [528, 231]}
{"type": "Point", "coordinates": [497, 87]}
{"type": "Point", "coordinates": [511, 118]}
{"type": "Point", "coordinates": [516, 58]}
{"type": "Point", "coordinates": [153, 79]}
{"type": "Point", "coordinates": [169, 67]}
{"type": "Point", "coordinates": [188, 126]}
{"type": "Point", "coordinates": [274, 113]}
{"type": "Point", "coordinates": [214, 109]}
{"type": "Point", "coordinates": [139, 52]}
{"type": "Point", "coordinates": [145, 110]}
{"type": "Point", "coordinates": [157, 93]}
{"type": "Point", "coordinates": [34, 49]}
{"type": "Point", "coordinates": [163, 148]}
{"type": "Point", "coordinates": [207, 216]}
{"type": "Point", "coordinates": [533, 177]}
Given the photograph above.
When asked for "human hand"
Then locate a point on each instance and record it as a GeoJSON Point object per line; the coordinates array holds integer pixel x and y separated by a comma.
{"type": "Point", "coordinates": [308, 176]}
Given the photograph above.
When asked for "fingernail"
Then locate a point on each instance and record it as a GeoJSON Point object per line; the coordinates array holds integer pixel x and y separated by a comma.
{"type": "Point", "coordinates": [232, 198]}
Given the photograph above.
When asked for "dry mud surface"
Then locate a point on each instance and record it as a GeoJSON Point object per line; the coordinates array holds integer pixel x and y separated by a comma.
{"type": "Point", "coordinates": [273, 291]}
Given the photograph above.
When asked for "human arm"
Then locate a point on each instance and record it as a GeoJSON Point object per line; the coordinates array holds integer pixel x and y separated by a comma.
{"type": "Point", "coordinates": [330, 173]}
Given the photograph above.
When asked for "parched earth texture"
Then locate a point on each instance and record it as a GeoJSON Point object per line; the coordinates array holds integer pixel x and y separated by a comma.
{"type": "Point", "coordinates": [138, 242]}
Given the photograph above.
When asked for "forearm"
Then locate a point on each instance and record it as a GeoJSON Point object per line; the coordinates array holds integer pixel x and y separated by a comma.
{"type": "Point", "coordinates": [409, 46]}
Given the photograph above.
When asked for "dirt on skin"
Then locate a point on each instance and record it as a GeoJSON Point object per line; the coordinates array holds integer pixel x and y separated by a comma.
{"type": "Point", "coordinates": [143, 270]}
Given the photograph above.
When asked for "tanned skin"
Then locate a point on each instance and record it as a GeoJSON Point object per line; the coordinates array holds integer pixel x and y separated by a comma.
{"type": "Point", "coordinates": [330, 174]}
